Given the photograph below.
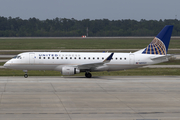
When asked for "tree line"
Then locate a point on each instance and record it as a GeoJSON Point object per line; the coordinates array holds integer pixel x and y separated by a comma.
{"type": "Point", "coordinates": [62, 27]}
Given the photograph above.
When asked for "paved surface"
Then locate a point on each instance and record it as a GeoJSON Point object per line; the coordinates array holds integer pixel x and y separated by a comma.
{"type": "Point", "coordinates": [99, 98]}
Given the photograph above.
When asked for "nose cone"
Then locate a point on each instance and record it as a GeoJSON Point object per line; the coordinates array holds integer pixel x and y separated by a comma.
{"type": "Point", "coordinates": [7, 64]}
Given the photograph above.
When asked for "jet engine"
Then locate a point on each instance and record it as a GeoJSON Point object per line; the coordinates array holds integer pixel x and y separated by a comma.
{"type": "Point", "coordinates": [69, 71]}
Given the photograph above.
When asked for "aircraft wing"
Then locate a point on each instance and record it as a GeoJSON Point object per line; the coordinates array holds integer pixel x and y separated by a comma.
{"type": "Point", "coordinates": [94, 65]}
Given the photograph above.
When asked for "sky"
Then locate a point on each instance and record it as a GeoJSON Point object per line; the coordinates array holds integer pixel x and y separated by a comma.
{"type": "Point", "coordinates": [91, 9]}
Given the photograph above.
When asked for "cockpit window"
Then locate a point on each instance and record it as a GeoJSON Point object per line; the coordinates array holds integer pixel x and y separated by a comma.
{"type": "Point", "coordinates": [14, 57]}
{"type": "Point", "coordinates": [17, 57]}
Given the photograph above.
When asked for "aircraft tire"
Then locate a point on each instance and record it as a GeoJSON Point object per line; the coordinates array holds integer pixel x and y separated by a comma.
{"type": "Point", "coordinates": [26, 75]}
{"type": "Point", "coordinates": [88, 75]}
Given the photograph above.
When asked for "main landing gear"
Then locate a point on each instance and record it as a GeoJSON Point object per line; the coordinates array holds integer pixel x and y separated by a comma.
{"type": "Point", "coordinates": [88, 75]}
{"type": "Point", "coordinates": [25, 75]}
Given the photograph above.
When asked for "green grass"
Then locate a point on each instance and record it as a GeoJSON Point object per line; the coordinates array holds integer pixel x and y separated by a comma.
{"type": "Point", "coordinates": [141, 72]}
{"type": "Point", "coordinates": [170, 62]}
{"type": "Point", "coordinates": [28, 44]}
{"type": "Point", "coordinates": [131, 72]}
{"type": "Point", "coordinates": [2, 63]}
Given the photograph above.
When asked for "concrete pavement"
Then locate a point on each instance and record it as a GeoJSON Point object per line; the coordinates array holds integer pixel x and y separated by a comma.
{"type": "Point", "coordinates": [99, 98]}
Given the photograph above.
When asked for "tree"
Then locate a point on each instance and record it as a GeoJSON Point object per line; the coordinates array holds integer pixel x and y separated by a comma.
{"type": "Point", "coordinates": [34, 27]}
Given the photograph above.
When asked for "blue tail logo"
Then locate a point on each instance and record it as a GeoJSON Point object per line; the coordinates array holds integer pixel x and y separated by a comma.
{"type": "Point", "coordinates": [160, 43]}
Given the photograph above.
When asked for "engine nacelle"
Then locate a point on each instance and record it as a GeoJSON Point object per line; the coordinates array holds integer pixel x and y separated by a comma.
{"type": "Point", "coordinates": [69, 71]}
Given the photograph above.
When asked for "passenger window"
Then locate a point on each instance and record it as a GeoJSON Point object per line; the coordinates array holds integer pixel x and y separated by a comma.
{"type": "Point", "coordinates": [61, 57]}
{"type": "Point", "coordinates": [79, 57]}
{"type": "Point", "coordinates": [84, 57]}
{"type": "Point", "coordinates": [74, 57]}
{"type": "Point", "coordinates": [66, 58]}
{"type": "Point", "coordinates": [44, 57]}
{"type": "Point", "coordinates": [120, 58]}
{"type": "Point", "coordinates": [39, 57]}
{"type": "Point", "coordinates": [98, 58]}
{"type": "Point", "coordinates": [70, 57]}
{"type": "Point", "coordinates": [116, 58]}
{"type": "Point", "coordinates": [124, 58]}
{"type": "Point", "coordinates": [57, 57]}
{"type": "Point", "coordinates": [102, 58]}
{"type": "Point", "coordinates": [52, 57]}
{"type": "Point", "coordinates": [93, 58]}
{"type": "Point", "coordinates": [89, 58]}
{"type": "Point", "coordinates": [48, 57]}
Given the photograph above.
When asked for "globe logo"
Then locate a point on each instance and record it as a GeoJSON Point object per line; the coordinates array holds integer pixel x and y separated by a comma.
{"type": "Point", "coordinates": [155, 47]}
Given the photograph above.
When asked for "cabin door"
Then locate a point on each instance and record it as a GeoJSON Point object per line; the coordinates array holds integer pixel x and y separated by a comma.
{"type": "Point", "coordinates": [131, 59]}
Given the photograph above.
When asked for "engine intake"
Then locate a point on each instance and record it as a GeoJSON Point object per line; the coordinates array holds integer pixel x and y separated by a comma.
{"type": "Point", "coordinates": [69, 71]}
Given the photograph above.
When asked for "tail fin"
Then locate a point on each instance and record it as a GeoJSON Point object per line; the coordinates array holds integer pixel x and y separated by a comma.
{"type": "Point", "coordinates": [160, 43]}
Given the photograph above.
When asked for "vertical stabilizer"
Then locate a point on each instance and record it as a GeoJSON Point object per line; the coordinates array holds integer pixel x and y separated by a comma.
{"type": "Point", "coordinates": [160, 43]}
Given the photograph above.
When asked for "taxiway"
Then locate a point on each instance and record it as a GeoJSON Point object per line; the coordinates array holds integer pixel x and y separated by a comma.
{"type": "Point", "coordinates": [98, 98]}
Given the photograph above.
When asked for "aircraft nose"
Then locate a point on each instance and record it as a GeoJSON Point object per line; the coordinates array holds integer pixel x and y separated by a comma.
{"type": "Point", "coordinates": [7, 64]}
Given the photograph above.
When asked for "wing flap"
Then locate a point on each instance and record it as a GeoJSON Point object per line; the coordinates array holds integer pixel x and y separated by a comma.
{"type": "Point", "coordinates": [90, 66]}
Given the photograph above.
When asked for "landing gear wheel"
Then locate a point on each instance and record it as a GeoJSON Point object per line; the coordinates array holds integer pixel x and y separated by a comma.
{"type": "Point", "coordinates": [88, 75]}
{"type": "Point", "coordinates": [26, 75]}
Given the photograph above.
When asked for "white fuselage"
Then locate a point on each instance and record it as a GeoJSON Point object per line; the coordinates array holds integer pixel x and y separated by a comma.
{"type": "Point", "coordinates": [57, 60]}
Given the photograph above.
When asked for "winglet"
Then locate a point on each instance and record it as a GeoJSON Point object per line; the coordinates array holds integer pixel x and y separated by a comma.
{"type": "Point", "coordinates": [108, 59]}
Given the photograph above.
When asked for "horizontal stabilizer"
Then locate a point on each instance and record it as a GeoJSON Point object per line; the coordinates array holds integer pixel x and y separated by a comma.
{"type": "Point", "coordinates": [162, 57]}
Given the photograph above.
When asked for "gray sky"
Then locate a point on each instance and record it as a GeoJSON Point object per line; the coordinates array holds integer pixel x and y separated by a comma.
{"type": "Point", "coordinates": [91, 9]}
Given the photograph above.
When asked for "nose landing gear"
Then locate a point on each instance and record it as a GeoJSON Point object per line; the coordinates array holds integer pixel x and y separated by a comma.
{"type": "Point", "coordinates": [25, 75]}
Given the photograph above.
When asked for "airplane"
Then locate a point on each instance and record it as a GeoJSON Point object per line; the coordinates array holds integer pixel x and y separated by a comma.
{"type": "Point", "coordinates": [70, 63]}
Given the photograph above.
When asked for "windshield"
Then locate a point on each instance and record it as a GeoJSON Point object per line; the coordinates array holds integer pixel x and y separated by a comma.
{"type": "Point", "coordinates": [17, 57]}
